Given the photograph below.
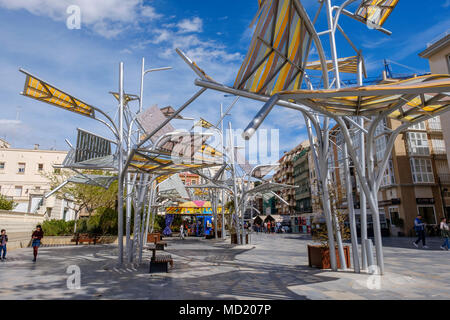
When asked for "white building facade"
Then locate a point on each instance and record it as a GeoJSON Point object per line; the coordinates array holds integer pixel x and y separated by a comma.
{"type": "Point", "coordinates": [23, 179]}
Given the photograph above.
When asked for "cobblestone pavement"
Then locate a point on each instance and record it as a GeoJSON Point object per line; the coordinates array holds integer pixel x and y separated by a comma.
{"type": "Point", "coordinates": [272, 267]}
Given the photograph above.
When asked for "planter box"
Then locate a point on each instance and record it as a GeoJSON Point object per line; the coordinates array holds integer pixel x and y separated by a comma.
{"type": "Point", "coordinates": [319, 257]}
{"type": "Point", "coordinates": [234, 238]}
{"type": "Point", "coordinates": [152, 236]}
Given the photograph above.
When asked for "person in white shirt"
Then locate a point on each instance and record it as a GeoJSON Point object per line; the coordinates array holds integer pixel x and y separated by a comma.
{"type": "Point", "coordinates": [445, 233]}
{"type": "Point", "coordinates": [182, 231]}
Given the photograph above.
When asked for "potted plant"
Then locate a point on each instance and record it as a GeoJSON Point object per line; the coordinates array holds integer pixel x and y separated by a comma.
{"type": "Point", "coordinates": [319, 254]}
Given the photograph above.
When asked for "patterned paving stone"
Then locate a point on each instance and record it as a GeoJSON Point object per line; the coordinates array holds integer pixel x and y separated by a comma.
{"type": "Point", "coordinates": [272, 267]}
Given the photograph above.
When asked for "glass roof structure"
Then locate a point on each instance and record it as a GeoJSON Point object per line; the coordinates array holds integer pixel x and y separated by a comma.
{"type": "Point", "coordinates": [279, 49]}
{"type": "Point", "coordinates": [408, 100]}
{"type": "Point", "coordinates": [375, 12]}
{"type": "Point", "coordinates": [38, 89]}
{"type": "Point", "coordinates": [346, 65]}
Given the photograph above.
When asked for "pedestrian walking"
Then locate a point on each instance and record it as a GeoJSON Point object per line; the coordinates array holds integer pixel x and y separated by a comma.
{"type": "Point", "coordinates": [182, 231]}
{"type": "Point", "coordinates": [269, 227]}
{"type": "Point", "coordinates": [3, 241]}
{"type": "Point", "coordinates": [445, 233]}
{"type": "Point", "coordinates": [36, 238]}
{"type": "Point", "coordinates": [419, 227]}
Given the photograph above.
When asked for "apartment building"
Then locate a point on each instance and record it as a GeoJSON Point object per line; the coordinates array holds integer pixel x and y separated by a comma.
{"type": "Point", "coordinates": [189, 179]}
{"type": "Point", "coordinates": [23, 179]}
{"type": "Point", "coordinates": [285, 174]}
{"type": "Point", "coordinates": [302, 181]}
{"type": "Point", "coordinates": [415, 181]}
{"type": "Point", "coordinates": [438, 55]}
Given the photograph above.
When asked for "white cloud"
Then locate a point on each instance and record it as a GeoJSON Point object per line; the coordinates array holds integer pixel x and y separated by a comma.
{"type": "Point", "coordinates": [190, 25]}
{"type": "Point", "coordinates": [9, 122]}
{"type": "Point", "coordinates": [106, 17]}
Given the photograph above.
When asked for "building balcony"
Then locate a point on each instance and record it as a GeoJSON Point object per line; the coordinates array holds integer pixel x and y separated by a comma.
{"type": "Point", "coordinates": [434, 128]}
{"type": "Point", "coordinates": [444, 178]}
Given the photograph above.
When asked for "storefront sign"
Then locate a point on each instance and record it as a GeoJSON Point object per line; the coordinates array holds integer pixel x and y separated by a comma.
{"type": "Point", "coordinates": [388, 202]}
{"type": "Point", "coordinates": [193, 211]}
{"type": "Point", "coordinates": [425, 200]}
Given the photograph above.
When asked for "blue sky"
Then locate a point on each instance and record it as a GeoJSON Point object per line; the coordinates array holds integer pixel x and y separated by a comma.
{"type": "Point", "coordinates": [33, 35]}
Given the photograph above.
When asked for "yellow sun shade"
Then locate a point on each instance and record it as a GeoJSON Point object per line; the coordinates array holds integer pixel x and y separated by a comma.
{"type": "Point", "coordinates": [347, 65]}
{"type": "Point", "coordinates": [376, 11]}
{"type": "Point", "coordinates": [40, 90]}
{"type": "Point", "coordinates": [409, 99]}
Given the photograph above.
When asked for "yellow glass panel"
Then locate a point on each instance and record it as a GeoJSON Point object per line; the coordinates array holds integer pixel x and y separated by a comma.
{"type": "Point", "coordinates": [44, 92]}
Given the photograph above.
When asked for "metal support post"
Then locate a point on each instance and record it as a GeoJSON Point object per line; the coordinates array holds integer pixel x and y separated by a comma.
{"type": "Point", "coordinates": [351, 212]}
{"type": "Point", "coordinates": [235, 191]}
{"type": "Point", "coordinates": [120, 167]}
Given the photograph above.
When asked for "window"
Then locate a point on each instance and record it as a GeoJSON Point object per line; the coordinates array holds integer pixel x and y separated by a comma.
{"type": "Point", "coordinates": [422, 171]}
{"type": "Point", "coordinates": [40, 167]}
{"type": "Point", "coordinates": [418, 126]}
{"type": "Point", "coordinates": [428, 214]}
{"type": "Point", "coordinates": [381, 128]}
{"type": "Point", "coordinates": [434, 124]}
{"type": "Point", "coordinates": [18, 191]}
{"type": "Point", "coordinates": [438, 146]}
{"type": "Point", "coordinates": [418, 144]}
{"type": "Point", "coordinates": [2, 165]}
{"type": "Point", "coordinates": [57, 171]}
{"type": "Point", "coordinates": [389, 177]}
{"type": "Point", "coordinates": [394, 216]}
{"type": "Point", "coordinates": [380, 147]}
{"type": "Point", "coordinates": [21, 167]}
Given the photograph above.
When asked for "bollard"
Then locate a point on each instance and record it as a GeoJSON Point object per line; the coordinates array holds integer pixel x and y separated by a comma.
{"type": "Point", "coordinates": [369, 252]}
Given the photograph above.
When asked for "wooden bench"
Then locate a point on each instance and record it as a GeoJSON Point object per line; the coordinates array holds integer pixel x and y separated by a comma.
{"type": "Point", "coordinates": [160, 262]}
{"type": "Point", "coordinates": [81, 238]}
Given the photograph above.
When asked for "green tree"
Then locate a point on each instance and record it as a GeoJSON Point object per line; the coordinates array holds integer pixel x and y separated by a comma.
{"type": "Point", "coordinates": [86, 197]}
{"type": "Point", "coordinates": [6, 204]}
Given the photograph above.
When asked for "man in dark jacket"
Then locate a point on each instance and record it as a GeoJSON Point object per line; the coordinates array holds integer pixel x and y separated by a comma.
{"type": "Point", "coordinates": [419, 227]}
{"type": "Point", "coordinates": [3, 241]}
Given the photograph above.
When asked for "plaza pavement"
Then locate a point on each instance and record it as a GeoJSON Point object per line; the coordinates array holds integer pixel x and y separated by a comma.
{"type": "Point", "coordinates": [274, 266]}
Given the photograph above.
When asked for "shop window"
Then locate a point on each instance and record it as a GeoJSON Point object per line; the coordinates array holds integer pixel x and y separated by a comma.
{"type": "Point", "coordinates": [395, 217]}
{"type": "Point", "coordinates": [2, 166]}
{"type": "Point", "coordinates": [428, 215]}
